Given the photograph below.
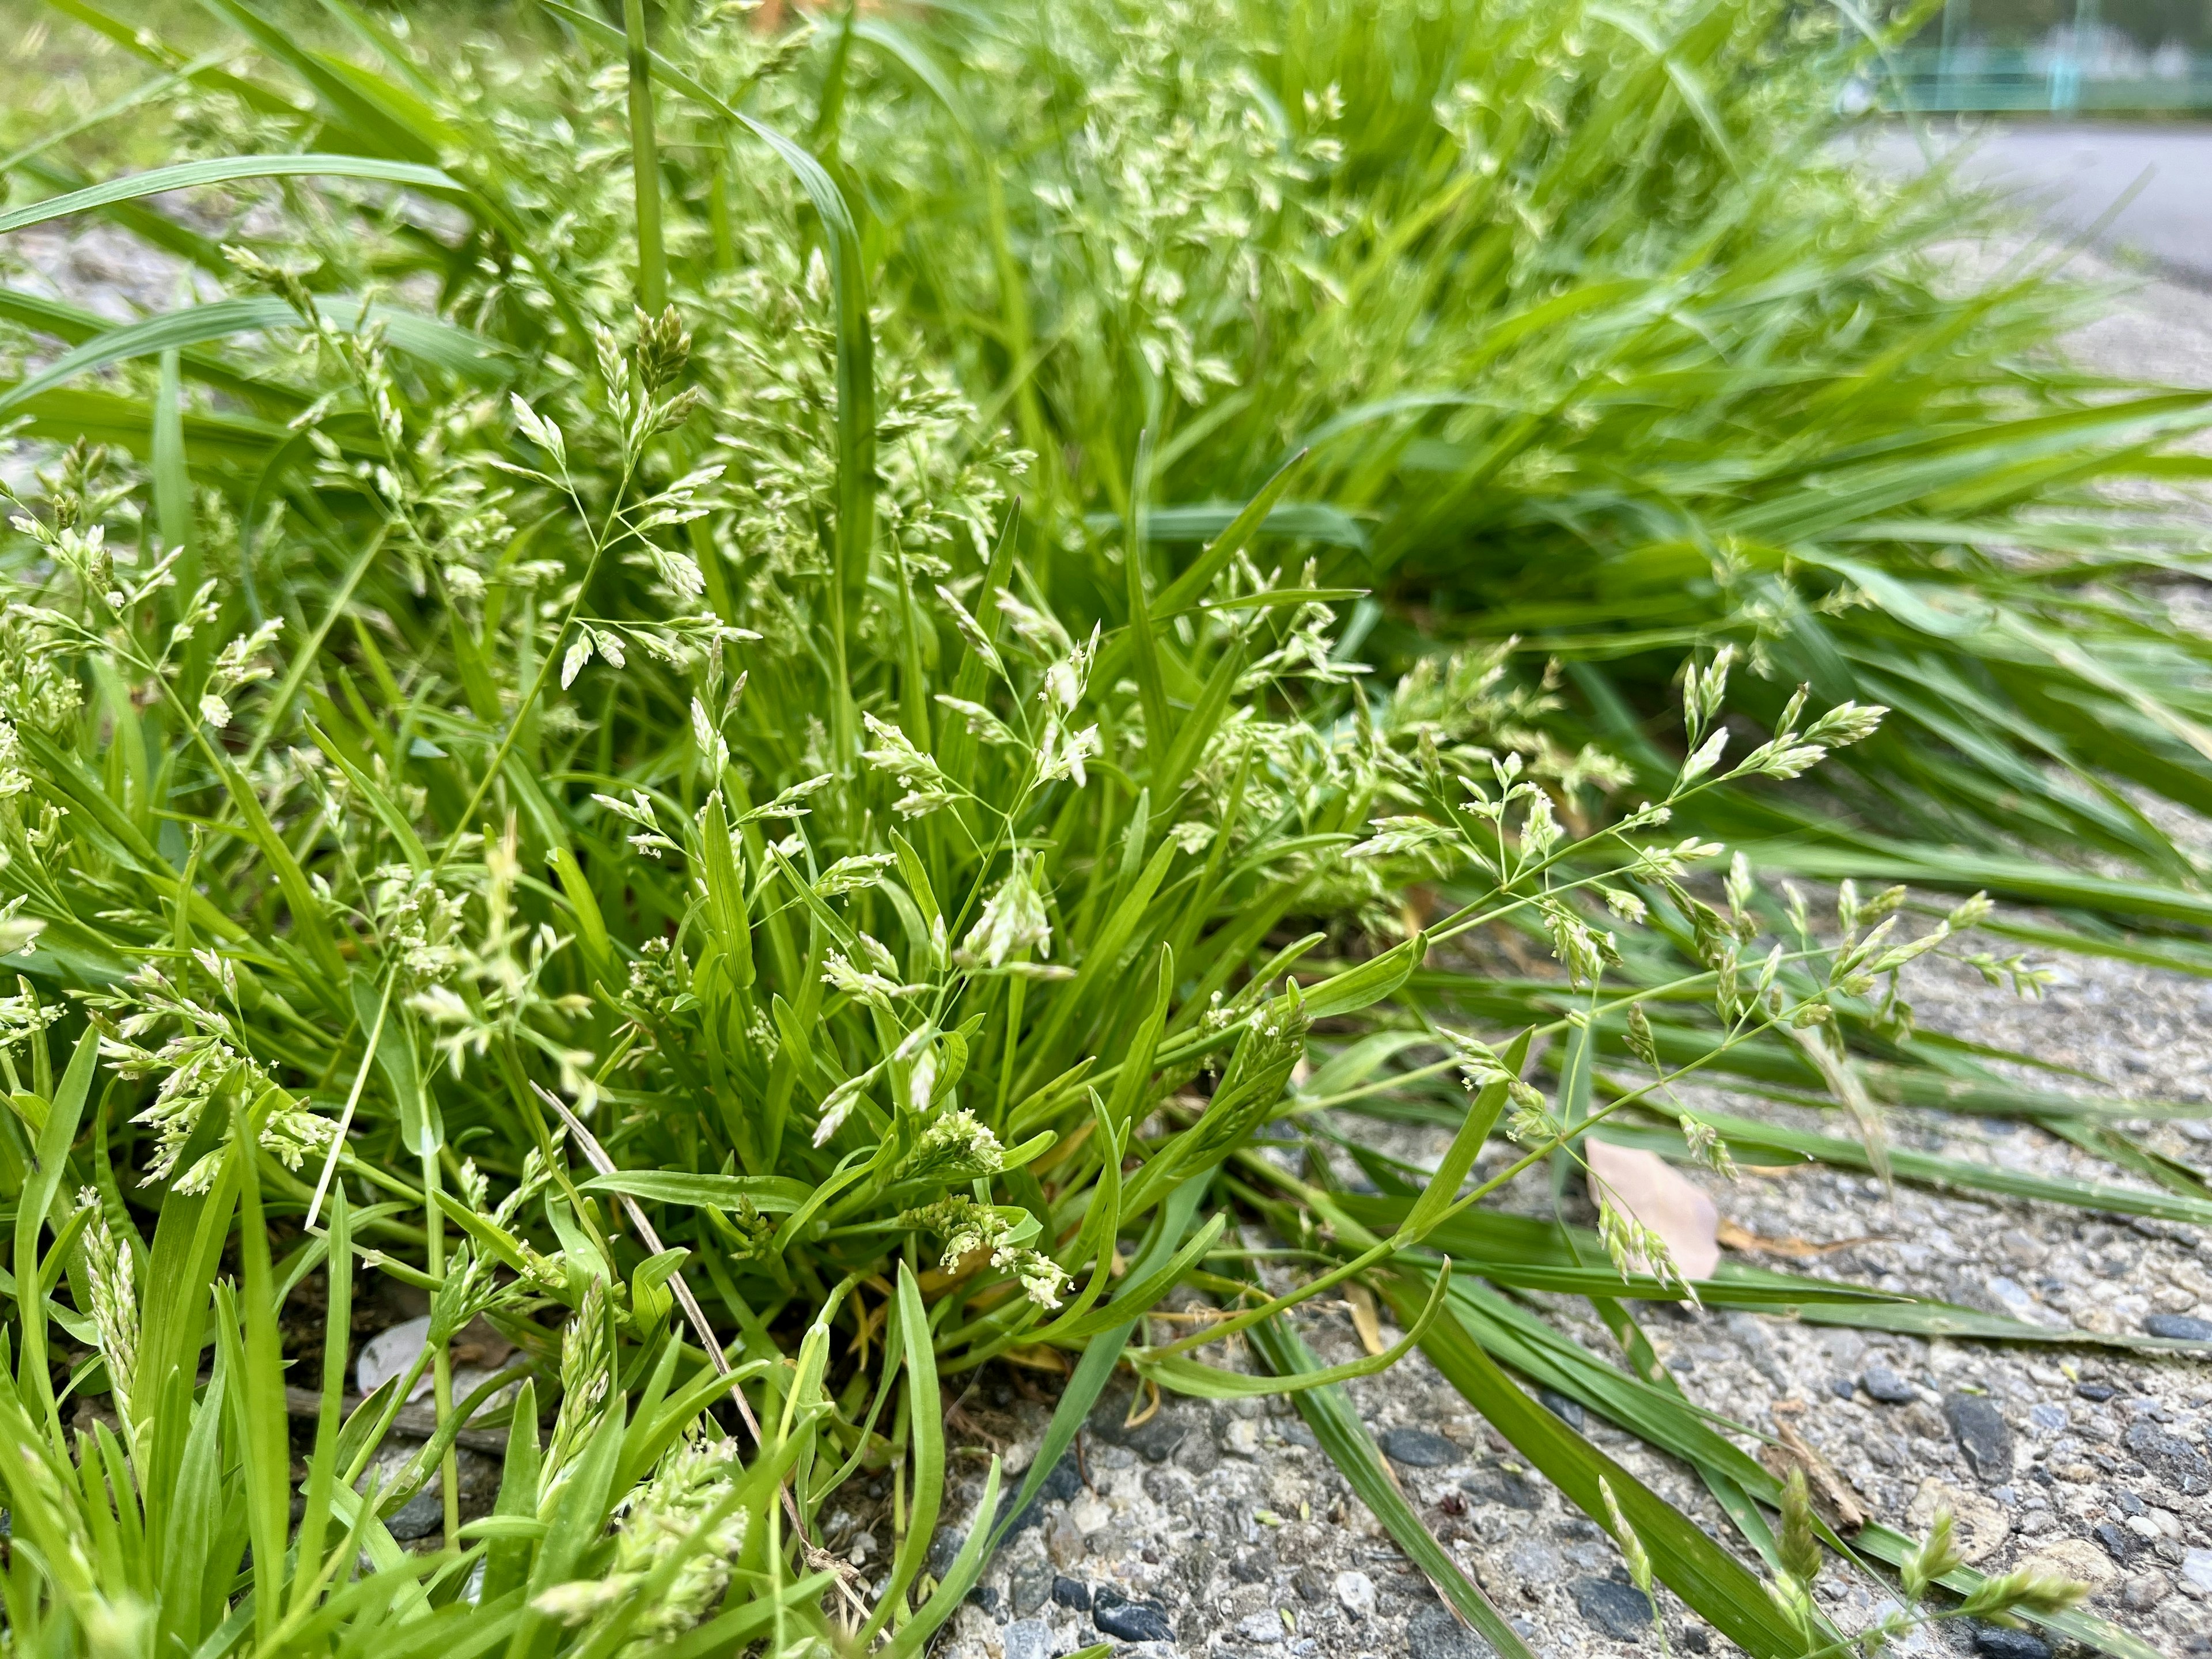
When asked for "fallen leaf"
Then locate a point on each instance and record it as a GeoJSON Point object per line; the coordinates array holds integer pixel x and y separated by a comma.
{"type": "Point", "coordinates": [1836, 1503]}
{"type": "Point", "coordinates": [1366, 1319]}
{"type": "Point", "coordinates": [1641, 1184]}
{"type": "Point", "coordinates": [1735, 1238]}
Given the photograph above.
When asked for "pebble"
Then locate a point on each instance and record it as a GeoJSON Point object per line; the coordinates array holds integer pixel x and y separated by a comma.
{"type": "Point", "coordinates": [1155, 1439]}
{"type": "Point", "coordinates": [1261, 1627]}
{"type": "Point", "coordinates": [388, 1354]}
{"type": "Point", "coordinates": [2000, 1643]}
{"type": "Point", "coordinates": [1031, 1584]}
{"type": "Point", "coordinates": [1435, 1632]}
{"type": "Point", "coordinates": [1618, 1609]}
{"type": "Point", "coordinates": [2197, 1568]}
{"type": "Point", "coordinates": [2099, 1392]}
{"type": "Point", "coordinates": [1117, 1616]}
{"type": "Point", "coordinates": [2145, 1591]}
{"type": "Point", "coordinates": [420, 1515]}
{"type": "Point", "coordinates": [1062, 1484]}
{"type": "Point", "coordinates": [1569, 1412]}
{"type": "Point", "coordinates": [1072, 1593]}
{"type": "Point", "coordinates": [2180, 1327]}
{"type": "Point", "coordinates": [1027, 1638]}
{"type": "Point", "coordinates": [2119, 1543]}
{"type": "Point", "coordinates": [1355, 1593]}
{"type": "Point", "coordinates": [1982, 1435]}
{"type": "Point", "coordinates": [2172, 1459]}
{"type": "Point", "coordinates": [1420, 1449]}
{"type": "Point", "coordinates": [945, 1548]}
{"type": "Point", "coordinates": [1501, 1486]}
{"type": "Point", "coordinates": [1886, 1385]}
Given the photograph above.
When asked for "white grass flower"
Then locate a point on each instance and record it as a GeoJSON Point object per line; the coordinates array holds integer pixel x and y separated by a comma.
{"type": "Point", "coordinates": [1013, 922]}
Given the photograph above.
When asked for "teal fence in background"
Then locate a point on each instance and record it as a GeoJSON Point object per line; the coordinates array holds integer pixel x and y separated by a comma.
{"type": "Point", "coordinates": [1975, 78]}
{"type": "Point", "coordinates": [1974, 57]}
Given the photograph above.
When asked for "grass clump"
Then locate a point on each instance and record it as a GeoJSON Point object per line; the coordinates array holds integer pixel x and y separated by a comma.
{"type": "Point", "coordinates": [685, 829]}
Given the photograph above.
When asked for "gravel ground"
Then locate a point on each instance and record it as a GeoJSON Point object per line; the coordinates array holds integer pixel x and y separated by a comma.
{"type": "Point", "coordinates": [1224, 1530]}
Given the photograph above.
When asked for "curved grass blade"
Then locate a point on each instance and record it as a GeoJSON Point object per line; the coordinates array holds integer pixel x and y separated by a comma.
{"type": "Point", "coordinates": [230, 169]}
{"type": "Point", "coordinates": [1329, 1415]}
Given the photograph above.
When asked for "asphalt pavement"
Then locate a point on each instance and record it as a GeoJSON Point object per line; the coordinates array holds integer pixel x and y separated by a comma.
{"type": "Point", "coordinates": [2073, 173]}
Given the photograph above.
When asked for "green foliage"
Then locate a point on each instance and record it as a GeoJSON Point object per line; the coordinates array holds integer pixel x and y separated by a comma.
{"type": "Point", "coordinates": [700, 715]}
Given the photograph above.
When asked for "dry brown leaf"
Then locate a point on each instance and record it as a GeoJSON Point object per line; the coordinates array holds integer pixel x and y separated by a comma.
{"type": "Point", "coordinates": [1835, 1502]}
{"type": "Point", "coordinates": [1735, 1238]}
{"type": "Point", "coordinates": [1643, 1185]}
{"type": "Point", "coordinates": [1364, 1318]}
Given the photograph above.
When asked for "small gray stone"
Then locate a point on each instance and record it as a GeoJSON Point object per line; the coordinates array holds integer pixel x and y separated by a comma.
{"type": "Point", "coordinates": [1027, 1638]}
{"type": "Point", "coordinates": [1031, 1587]}
{"type": "Point", "coordinates": [1886, 1385]}
{"type": "Point", "coordinates": [418, 1517]}
{"type": "Point", "coordinates": [1200, 1453]}
{"type": "Point", "coordinates": [1567, 1411]}
{"type": "Point", "coordinates": [2000, 1643]}
{"type": "Point", "coordinates": [2100, 1392]}
{"type": "Point", "coordinates": [1622, 1611]}
{"type": "Point", "coordinates": [2145, 1591]}
{"type": "Point", "coordinates": [2119, 1543]}
{"type": "Point", "coordinates": [2197, 1568]}
{"type": "Point", "coordinates": [1501, 1486]}
{"type": "Point", "coordinates": [1309, 1584]}
{"type": "Point", "coordinates": [1253, 1566]}
{"type": "Point", "coordinates": [1982, 1435]}
{"type": "Point", "coordinates": [1117, 1616]}
{"type": "Point", "coordinates": [1072, 1594]}
{"type": "Point", "coordinates": [1434, 1633]}
{"type": "Point", "coordinates": [2172, 1459]}
{"type": "Point", "coordinates": [2180, 1327]}
{"type": "Point", "coordinates": [1265, 1628]}
{"type": "Point", "coordinates": [1062, 1484]}
{"type": "Point", "coordinates": [1419, 1448]}
{"type": "Point", "coordinates": [944, 1548]}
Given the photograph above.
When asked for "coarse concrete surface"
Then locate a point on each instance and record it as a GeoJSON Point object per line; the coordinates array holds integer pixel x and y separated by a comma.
{"type": "Point", "coordinates": [2142, 189]}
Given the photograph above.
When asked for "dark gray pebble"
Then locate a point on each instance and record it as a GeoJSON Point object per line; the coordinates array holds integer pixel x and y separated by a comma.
{"type": "Point", "coordinates": [1071, 1593]}
{"type": "Point", "coordinates": [1420, 1449]}
{"type": "Point", "coordinates": [2119, 1543]}
{"type": "Point", "coordinates": [1501, 1486]}
{"type": "Point", "coordinates": [1117, 1616]}
{"type": "Point", "coordinates": [1032, 1586]}
{"type": "Point", "coordinates": [1982, 1435]}
{"type": "Point", "coordinates": [2180, 1326]}
{"type": "Point", "coordinates": [1062, 1484]}
{"type": "Point", "coordinates": [1886, 1385]}
{"type": "Point", "coordinates": [418, 1517]}
{"type": "Point", "coordinates": [1435, 1632]}
{"type": "Point", "coordinates": [2099, 1392]}
{"type": "Point", "coordinates": [1567, 1411]}
{"type": "Point", "coordinates": [1618, 1609]}
{"type": "Point", "coordinates": [2174, 1461]}
{"type": "Point", "coordinates": [2000, 1643]}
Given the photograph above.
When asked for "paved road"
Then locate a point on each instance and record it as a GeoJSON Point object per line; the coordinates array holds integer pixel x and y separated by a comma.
{"type": "Point", "coordinates": [2076, 170]}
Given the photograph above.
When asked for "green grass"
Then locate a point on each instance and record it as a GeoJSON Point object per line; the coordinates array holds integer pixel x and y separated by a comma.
{"type": "Point", "coordinates": [840, 803]}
